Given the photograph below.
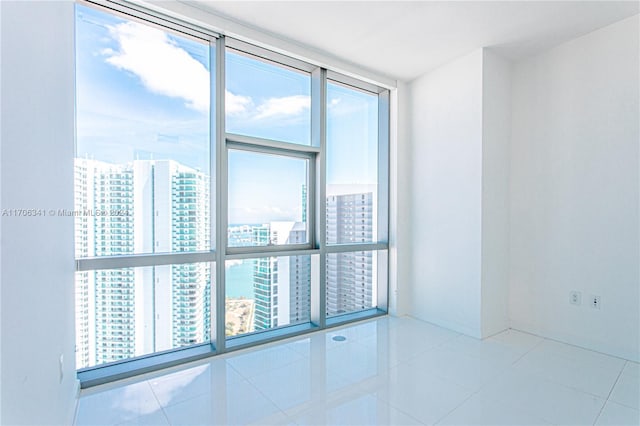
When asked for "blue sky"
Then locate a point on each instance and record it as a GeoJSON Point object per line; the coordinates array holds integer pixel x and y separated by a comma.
{"type": "Point", "coordinates": [143, 93]}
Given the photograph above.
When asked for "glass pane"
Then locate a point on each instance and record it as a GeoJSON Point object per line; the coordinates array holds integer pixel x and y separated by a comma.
{"type": "Point", "coordinates": [142, 151]}
{"type": "Point", "coordinates": [130, 312]}
{"type": "Point", "coordinates": [267, 292]}
{"type": "Point", "coordinates": [267, 199]}
{"type": "Point", "coordinates": [352, 281]}
{"type": "Point", "coordinates": [352, 165]}
{"type": "Point", "coordinates": [267, 100]}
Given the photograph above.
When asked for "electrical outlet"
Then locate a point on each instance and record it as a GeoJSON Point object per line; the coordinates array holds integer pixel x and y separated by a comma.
{"type": "Point", "coordinates": [595, 302]}
{"type": "Point", "coordinates": [61, 365]}
{"type": "Point", "coordinates": [575, 298]}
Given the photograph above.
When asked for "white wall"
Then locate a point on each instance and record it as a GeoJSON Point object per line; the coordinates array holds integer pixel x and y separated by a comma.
{"type": "Point", "coordinates": [444, 216]}
{"type": "Point", "coordinates": [496, 132]}
{"type": "Point", "coordinates": [575, 191]}
{"type": "Point", "coordinates": [37, 253]}
{"type": "Point", "coordinates": [458, 194]}
{"type": "Point", "coordinates": [524, 186]}
{"type": "Point", "coordinates": [1, 207]}
{"type": "Point", "coordinates": [399, 202]}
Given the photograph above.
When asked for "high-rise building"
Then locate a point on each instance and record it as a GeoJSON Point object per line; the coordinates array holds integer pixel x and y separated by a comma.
{"type": "Point", "coordinates": [129, 312]}
{"type": "Point", "coordinates": [281, 284]}
{"type": "Point", "coordinates": [350, 220]}
{"type": "Point", "coordinates": [163, 207]}
{"type": "Point", "coordinates": [176, 220]}
{"type": "Point", "coordinates": [104, 295]}
{"type": "Point", "coordinates": [299, 277]}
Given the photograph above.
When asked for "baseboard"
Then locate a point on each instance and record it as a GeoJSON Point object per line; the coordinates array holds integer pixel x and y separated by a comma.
{"type": "Point", "coordinates": [74, 410]}
{"type": "Point", "coordinates": [458, 328]}
{"type": "Point", "coordinates": [573, 340]}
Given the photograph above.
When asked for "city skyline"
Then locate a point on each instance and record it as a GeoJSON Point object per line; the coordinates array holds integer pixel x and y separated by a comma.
{"type": "Point", "coordinates": [150, 309]}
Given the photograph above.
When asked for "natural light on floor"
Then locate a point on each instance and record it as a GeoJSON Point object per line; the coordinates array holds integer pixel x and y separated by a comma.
{"type": "Point", "coordinates": [388, 371]}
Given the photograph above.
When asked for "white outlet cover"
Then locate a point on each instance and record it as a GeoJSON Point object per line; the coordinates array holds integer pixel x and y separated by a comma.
{"type": "Point", "coordinates": [595, 301]}
{"type": "Point", "coordinates": [575, 298]}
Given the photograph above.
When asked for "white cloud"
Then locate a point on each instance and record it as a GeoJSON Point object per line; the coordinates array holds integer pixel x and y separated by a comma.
{"type": "Point", "coordinates": [162, 66]}
{"type": "Point", "coordinates": [233, 262]}
{"type": "Point", "coordinates": [237, 104]}
{"type": "Point", "coordinates": [283, 107]}
{"type": "Point", "coordinates": [272, 108]}
{"type": "Point", "coordinates": [166, 69]}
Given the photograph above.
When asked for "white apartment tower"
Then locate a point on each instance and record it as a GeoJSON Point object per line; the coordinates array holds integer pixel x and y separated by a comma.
{"type": "Point", "coordinates": [104, 295]}
{"type": "Point", "coordinates": [146, 309]}
{"type": "Point", "coordinates": [350, 286]}
{"type": "Point", "coordinates": [281, 284]}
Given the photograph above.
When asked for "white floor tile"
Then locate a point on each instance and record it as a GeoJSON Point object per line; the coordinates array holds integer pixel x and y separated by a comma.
{"type": "Point", "coordinates": [394, 371]}
{"type": "Point", "coordinates": [618, 415]}
{"type": "Point", "coordinates": [420, 394]}
{"type": "Point", "coordinates": [466, 371]}
{"type": "Point", "coordinates": [156, 418]}
{"type": "Point", "coordinates": [324, 341]}
{"type": "Point", "coordinates": [632, 368]}
{"type": "Point", "coordinates": [475, 411]}
{"type": "Point", "coordinates": [432, 333]}
{"type": "Point", "coordinates": [517, 340]}
{"type": "Point", "coordinates": [182, 385]}
{"type": "Point", "coordinates": [117, 405]}
{"type": "Point", "coordinates": [391, 321]}
{"type": "Point", "coordinates": [354, 332]}
{"type": "Point", "coordinates": [552, 402]}
{"type": "Point", "coordinates": [259, 360]}
{"type": "Point", "coordinates": [351, 364]}
{"type": "Point", "coordinates": [627, 389]}
{"type": "Point", "coordinates": [400, 343]}
{"type": "Point", "coordinates": [293, 387]}
{"type": "Point", "coordinates": [364, 410]}
{"type": "Point", "coordinates": [278, 419]}
{"type": "Point", "coordinates": [301, 346]}
{"type": "Point", "coordinates": [239, 404]}
{"type": "Point", "coordinates": [503, 350]}
{"type": "Point", "coordinates": [584, 374]}
{"type": "Point", "coordinates": [579, 354]}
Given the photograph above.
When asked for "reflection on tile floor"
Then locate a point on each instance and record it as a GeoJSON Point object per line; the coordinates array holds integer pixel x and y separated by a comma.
{"type": "Point", "coordinates": [388, 371]}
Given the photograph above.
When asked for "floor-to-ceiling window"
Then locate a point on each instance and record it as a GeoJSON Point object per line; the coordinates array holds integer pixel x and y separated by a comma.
{"type": "Point", "coordinates": [225, 194]}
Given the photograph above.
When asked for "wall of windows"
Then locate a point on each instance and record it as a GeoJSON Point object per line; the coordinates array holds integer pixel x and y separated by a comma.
{"type": "Point", "coordinates": [194, 150]}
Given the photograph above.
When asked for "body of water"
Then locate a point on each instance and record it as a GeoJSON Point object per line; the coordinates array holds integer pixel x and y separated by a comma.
{"type": "Point", "coordinates": [239, 277]}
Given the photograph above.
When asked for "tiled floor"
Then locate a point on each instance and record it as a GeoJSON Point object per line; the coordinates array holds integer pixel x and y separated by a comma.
{"type": "Point", "coordinates": [393, 371]}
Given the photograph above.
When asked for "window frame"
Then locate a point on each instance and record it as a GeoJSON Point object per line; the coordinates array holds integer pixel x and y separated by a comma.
{"type": "Point", "coordinates": [219, 144]}
{"type": "Point", "coordinates": [266, 147]}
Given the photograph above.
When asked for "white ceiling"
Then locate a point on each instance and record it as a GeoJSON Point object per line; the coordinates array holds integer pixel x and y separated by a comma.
{"type": "Point", "coordinates": [403, 40]}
